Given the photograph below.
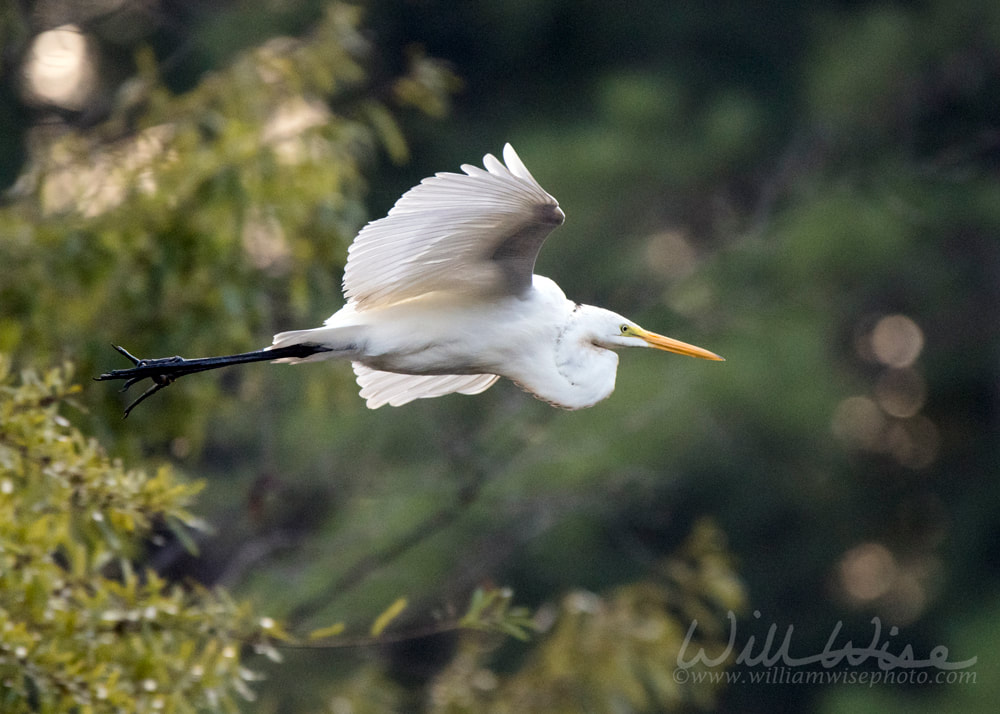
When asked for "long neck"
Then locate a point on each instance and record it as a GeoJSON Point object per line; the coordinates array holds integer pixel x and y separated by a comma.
{"type": "Point", "coordinates": [586, 372]}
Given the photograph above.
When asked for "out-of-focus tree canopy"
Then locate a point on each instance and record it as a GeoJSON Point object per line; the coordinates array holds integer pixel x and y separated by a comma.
{"type": "Point", "coordinates": [83, 630]}
{"type": "Point", "coordinates": [809, 189]}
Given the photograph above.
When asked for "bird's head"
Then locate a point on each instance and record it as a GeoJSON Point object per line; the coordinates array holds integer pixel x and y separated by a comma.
{"type": "Point", "coordinates": [611, 331]}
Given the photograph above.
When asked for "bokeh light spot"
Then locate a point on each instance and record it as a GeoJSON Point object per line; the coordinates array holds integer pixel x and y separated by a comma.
{"type": "Point", "coordinates": [59, 68]}
{"type": "Point", "coordinates": [867, 572]}
{"type": "Point", "coordinates": [897, 341]}
{"type": "Point", "coordinates": [858, 421]}
{"type": "Point", "coordinates": [670, 254]}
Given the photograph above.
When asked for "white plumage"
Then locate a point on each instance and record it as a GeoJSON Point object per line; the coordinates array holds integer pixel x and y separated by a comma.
{"type": "Point", "coordinates": [443, 233]}
{"type": "Point", "coordinates": [441, 298]}
{"type": "Point", "coordinates": [395, 389]}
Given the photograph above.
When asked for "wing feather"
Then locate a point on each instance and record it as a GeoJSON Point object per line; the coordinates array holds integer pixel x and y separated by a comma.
{"type": "Point", "coordinates": [379, 388]}
{"type": "Point", "coordinates": [476, 233]}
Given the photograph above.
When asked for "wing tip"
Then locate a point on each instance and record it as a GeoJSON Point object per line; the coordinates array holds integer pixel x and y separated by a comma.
{"type": "Point", "coordinates": [551, 213]}
{"type": "Point", "coordinates": [515, 165]}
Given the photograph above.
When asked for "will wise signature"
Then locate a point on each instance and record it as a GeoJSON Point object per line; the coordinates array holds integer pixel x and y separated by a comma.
{"type": "Point", "coordinates": [832, 654]}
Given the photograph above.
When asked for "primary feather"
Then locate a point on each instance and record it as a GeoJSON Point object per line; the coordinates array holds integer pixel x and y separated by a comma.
{"type": "Point", "coordinates": [476, 233]}
{"type": "Point", "coordinates": [395, 389]}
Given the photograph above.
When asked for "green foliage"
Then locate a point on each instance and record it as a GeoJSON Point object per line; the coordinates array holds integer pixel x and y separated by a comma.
{"type": "Point", "coordinates": [617, 652]}
{"type": "Point", "coordinates": [81, 628]}
{"type": "Point", "coordinates": [230, 205]}
{"type": "Point", "coordinates": [491, 611]}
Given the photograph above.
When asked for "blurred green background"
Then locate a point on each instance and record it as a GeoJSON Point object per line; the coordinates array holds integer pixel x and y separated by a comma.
{"type": "Point", "coordinates": [810, 189]}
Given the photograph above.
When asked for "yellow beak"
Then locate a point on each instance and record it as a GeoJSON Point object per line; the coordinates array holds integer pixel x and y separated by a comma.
{"type": "Point", "coordinates": [669, 344]}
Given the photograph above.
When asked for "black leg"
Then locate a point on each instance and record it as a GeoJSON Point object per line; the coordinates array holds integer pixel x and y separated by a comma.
{"type": "Point", "coordinates": [164, 371]}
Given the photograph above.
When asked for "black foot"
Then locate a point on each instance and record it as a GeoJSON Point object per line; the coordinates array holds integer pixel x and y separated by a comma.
{"type": "Point", "coordinates": [163, 371]}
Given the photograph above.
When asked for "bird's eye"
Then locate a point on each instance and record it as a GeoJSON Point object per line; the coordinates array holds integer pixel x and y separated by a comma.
{"type": "Point", "coordinates": [625, 329]}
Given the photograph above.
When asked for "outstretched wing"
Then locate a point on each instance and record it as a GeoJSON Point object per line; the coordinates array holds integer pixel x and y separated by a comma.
{"type": "Point", "coordinates": [476, 233]}
{"type": "Point", "coordinates": [378, 388]}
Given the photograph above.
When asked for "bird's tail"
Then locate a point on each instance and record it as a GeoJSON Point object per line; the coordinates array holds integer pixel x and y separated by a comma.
{"type": "Point", "coordinates": [340, 343]}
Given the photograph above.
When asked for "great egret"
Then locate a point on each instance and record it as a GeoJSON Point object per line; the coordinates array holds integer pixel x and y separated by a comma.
{"type": "Point", "coordinates": [441, 298]}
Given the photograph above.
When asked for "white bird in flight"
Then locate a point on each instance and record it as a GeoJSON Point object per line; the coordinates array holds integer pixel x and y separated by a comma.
{"type": "Point", "coordinates": [442, 298]}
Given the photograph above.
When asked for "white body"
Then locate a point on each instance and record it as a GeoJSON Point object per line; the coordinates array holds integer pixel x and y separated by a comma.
{"type": "Point", "coordinates": [441, 298]}
{"type": "Point", "coordinates": [538, 341]}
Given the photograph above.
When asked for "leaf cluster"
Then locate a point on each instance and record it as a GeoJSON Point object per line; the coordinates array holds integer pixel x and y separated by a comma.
{"type": "Point", "coordinates": [228, 204]}
{"type": "Point", "coordinates": [81, 627]}
{"type": "Point", "coordinates": [616, 651]}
